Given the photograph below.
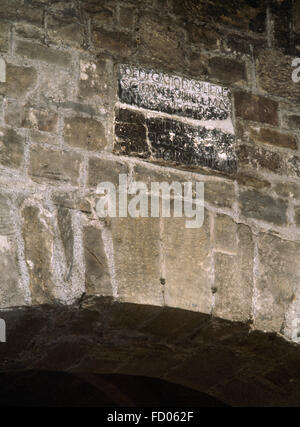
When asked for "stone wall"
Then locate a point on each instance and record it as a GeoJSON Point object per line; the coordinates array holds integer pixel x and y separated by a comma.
{"type": "Point", "coordinates": [60, 126]}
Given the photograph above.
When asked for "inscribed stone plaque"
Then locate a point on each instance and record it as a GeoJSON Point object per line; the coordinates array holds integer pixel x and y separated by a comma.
{"type": "Point", "coordinates": [195, 128]}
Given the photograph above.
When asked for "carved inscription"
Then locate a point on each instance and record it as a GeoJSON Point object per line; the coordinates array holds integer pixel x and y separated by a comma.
{"type": "Point", "coordinates": [197, 132]}
{"type": "Point", "coordinates": [174, 95]}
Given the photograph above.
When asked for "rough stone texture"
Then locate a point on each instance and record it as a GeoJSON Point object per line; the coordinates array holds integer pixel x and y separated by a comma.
{"type": "Point", "coordinates": [245, 14]}
{"type": "Point", "coordinates": [263, 207]}
{"type": "Point", "coordinates": [219, 193]}
{"type": "Point", "coordinates": [18, 81]}
{"type": "Point", "coordinates": [277, 282]}
{"type": "Point", "coordinates": [53, 165]}
{"type": "Point", "coordinates": [136, 243]}
{"type": "Point", "coordinates": [158, 39]}
{"type": "Point", "coordinates": [256, 108]}
{"type": "Point", "coordinates": [97, 277]}
{"type": "Point", "coordinates": [40, 119]}
{"type": "Point", "coordinates": [177, 142]}
{"type": "Point", "coordinates": [64, 221]}
{"type": "Point", "coordinates": [291, 121]}
{"type": "Point", "coordinates": [188, 249]}
{"type": "Point", "coordinates": [233, 270]}
{"type": "Point", "coordinates": [38, 241]}
{"type": "Point", "coordinates": [255, 157]}
{"type": "Point", "coordinates": [288, 190]}
{"type": "Point", "coordinates": [10, 293]}
{"type": "Point", "coordinates": [130, 130]}
{"type": "Point", "coordinates": [85, 133]}
{"type": "Point", "coordinates": [4, 36]}
{"type": "Point", "coordinates": [297, 216]}
{"type": "Point", "coordinates": [273, 137]}
{"type": "Point", "coordinates": [102, 170]}
{"type": "Point", "coordinates": [282, 86]}
{"type": "Point", "coordinates": [227, 71]}
{"type": "Point", "coordinates": [11, 148]}
{"type": "Point", "coordinates": [63, 66]}
{"type": "Point", "coordinates": [42, 53]}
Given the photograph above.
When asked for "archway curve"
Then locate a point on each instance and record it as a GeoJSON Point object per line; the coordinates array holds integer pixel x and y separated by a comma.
{"type": "Point", "coordinates": [220, 358]}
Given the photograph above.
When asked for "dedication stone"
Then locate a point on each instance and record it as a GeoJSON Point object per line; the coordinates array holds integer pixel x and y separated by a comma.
{"type": "Point", "coordinates": [197, 128]}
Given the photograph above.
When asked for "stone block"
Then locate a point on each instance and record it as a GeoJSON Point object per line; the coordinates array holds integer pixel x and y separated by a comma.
{"type": "Point", "coordinates": [273, 137]}
{"type": "Point", "coordinates": [4, 36]}
{"type": "Point", "coordinates": [256, 108]}
{"type": "Point", "coordinates": [11, 148]}
{"type": "Point", "coordinates": [19, 80]}
{"type": "Point", "coordinates": [187, 265]}
{"type": "Point", "coordinates": [85, 133]}
{"type": "Point", "coordinates": [43, 53]}
{"type": "Point", "coordinates": [263, 207]}
{"type": "Point", "coordinates": [233, 270]}
{"type": "Point", "coordinates": [54, 166]}
{"type": "Point", "coordinates": [102, 170]}
{"type": "Point", "coordinates": [136, 243]}
{"type": "Point", "coordinates": [97, 276]}
{"type": "Point", "coordinates": [277, 282]}
{"type": "Point", "coordinates": [38, 246]}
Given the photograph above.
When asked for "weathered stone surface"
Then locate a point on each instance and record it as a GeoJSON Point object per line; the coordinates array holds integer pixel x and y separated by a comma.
{"type": "Point", "coordinates": [53, 165]}
{"type": "Point", "coordinates": [161, 40]}
{"type": "Point", "coordinates": [263, 207]}
{"type": "Point", "coordinates": [11, 148]}
{"type": "Point", "coordinates": [244, 15]}
{"type": "Point", "coordinates": [277, 282]}
{"type": "Point", "coordinates": [11, 294]}
{"type": "Point", "coordinates": [227, 71]}
{"type": "Point", "coordinates": [72, 200]}
{"type": "Point", "coordinates": [294, 166]}
{"type": "Point", "coordinates": [281, 14]}
{"type": "Point", "coordinates": [4, 36]}
{"type": "Point", "coordinates": [288, 190]}
{"type": "Point", "coordinates": [219, 193]}
{"type": "Point", "coordinates": [56, 85]}
{"type": "Point", "coordinates": [297, 216]}
{"type": "Point", "coordinates": [251, 181]}
{"type": "Point", "coordinates": [187, 260]}
{"type": "Point", "coordinates": [233, 270]}
{"type": "Point", "coordinates": [291, 121]}
{"type": "Point", "coordinates": [173, 94]}
{"type": "Point", "coordinates": [273, 137]}
{"type": "Point", "coordinates": [64, 221]}
{"type": "Point", "coordinates": [259, 158]}
{"type": "Point", "coordinates": [130, 130]}
{"type": "Point", "coordinates": [28, 31]}
{"type": "Point", "coordinates": [38, 241]}
{"type": "Point", "coordinates": [283, 86]}
{"type": "Point", "coordinates": [18, 81]}
{"type": "Point", "coordinates": [225, 234]}
{"type": "Point", "coordinates": [65, 30]}
{"type": "Point", "coordinates": [116, 43]}
{"type": "Point", "coordinates": [203, 36]}
{"type": "Point", "coordinates": [102, 170]}
{"type": "Point", "coordinates": [43, 53]}
{"type": "Point", "coordinates": [174, 141]}
{"type": "Point", "coordinates": [94, 79]}
{"type": "Point", "coordinates": [126, 17]}
{"type": "Point", "coordinates": [85, 133]}
{"type": "Point", "coordinates": [136, 243]}
{"type": "Point", "coordinates": [40, 119]}
{"type": "Point", "coordinates": [256, 108]}
{"type": "Point", "coordinates": [6, 221]}
{"type": "Point", "coordinates": [97, 277]}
